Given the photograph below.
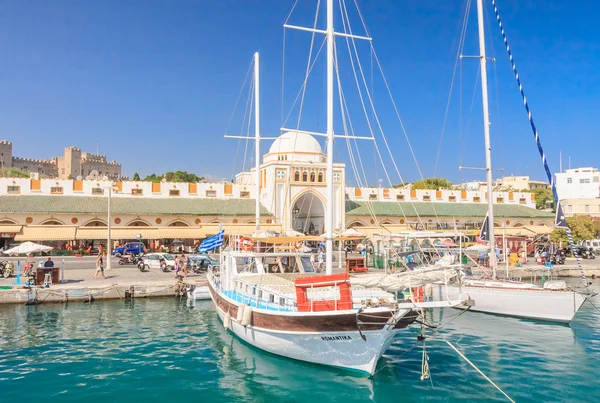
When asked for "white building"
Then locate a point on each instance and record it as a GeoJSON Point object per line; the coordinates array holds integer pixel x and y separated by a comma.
{"type": "Point", "coordinates": [578, 183]}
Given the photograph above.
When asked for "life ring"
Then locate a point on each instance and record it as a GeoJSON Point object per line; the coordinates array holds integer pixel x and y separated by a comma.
{"type": "Point", "coordinates": [246, 243]}
{"type": "Point", "coordinates": [298, 245]}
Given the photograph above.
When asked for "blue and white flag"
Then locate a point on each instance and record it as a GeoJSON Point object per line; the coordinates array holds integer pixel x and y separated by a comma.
{"type": "Point", "coordinates": [212, 242]}
{"type": "Point", "coordinates": [560, 220]}
{"type": "Point", "coordinates": [484, 234]}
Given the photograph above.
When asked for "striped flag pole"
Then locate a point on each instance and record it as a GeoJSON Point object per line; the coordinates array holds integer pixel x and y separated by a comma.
{"type": "Point", "coordinates": [536, 135]}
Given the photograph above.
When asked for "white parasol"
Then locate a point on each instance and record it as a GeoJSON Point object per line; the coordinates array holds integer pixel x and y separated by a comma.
{"type": "Point", "coordinates": [26, 248]}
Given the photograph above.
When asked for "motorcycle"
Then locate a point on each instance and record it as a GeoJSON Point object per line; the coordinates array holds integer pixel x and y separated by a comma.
{"type": "Point", "coordinates": [557, 258]}
{"type": "Point", "coordinates": [129, 259]}
{"type": "Point", "coordinates": [141, 265]}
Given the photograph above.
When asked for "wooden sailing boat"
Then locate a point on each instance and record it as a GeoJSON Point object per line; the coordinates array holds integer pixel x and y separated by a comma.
{"type": "Point", "coordinates": [296, 313]}
{"type": "Point", "coordinates": [553, 301]}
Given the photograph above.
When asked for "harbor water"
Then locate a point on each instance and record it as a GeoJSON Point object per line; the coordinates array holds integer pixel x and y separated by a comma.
{"type": "Point", "coordinates": [164, 349]}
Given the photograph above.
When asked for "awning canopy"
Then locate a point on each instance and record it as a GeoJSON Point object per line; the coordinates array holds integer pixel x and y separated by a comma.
{"type": "Point", "coordinates": [238, 229]}
{"type": "Point", "coordinates": [47, 233]}
{"type": "Point", "coordinates": [11, 229]}
{"type": "Point", "coordinates": [182, 233]}
{"type": "Point", "coordinates": [130, 233]}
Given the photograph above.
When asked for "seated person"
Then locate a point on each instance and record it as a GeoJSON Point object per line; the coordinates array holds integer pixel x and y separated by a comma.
{"type": "Point", "coordinates": [49, 262]}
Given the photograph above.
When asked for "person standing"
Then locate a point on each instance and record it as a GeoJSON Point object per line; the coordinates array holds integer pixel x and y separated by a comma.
{"type": "Point", "coordinates": [176, 266]}
{"type": "Point", "coordinates": [100, 265]}
{"type": "Point", "coordinates": [321, 259]}
{"type": "Point", "coordinates": [186, 265]}
{"type": "Point", "coordinates": [313, 260]}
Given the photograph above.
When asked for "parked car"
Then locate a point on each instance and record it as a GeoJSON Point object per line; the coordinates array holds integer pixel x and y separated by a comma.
{"type": "Point", "coordinates": [129, 247]}
{"type": "Point", "coordinates": [201, 262]}
{"type": "Point", "coordinates": [157, 261]}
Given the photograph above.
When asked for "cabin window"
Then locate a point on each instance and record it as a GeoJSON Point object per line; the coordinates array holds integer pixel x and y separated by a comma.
{"type": "Point", "coordinates": [297, 176]}
{"type": "Point", "coordinates": [260, 294]}
{"type": "Point", "coordinates": [476, 199]}
{"type": "Point", "coordinates": [137, 192]}
{"type": "Point", "coordinates": [244, 194]}
{"type": "Point", "coordinates": [56, 190]}
{"type": "Point", "coordinates": [272, 298]}
{"type": "Point", "coordinates": [426, 198]}
{"type": "Point", "coordinates": [452, 199]}
{"type": "Point", "coordinates": [174, 192]}
{"type": "Point", "coordinates": [372, 197]}
{"type": "Point", "coordinates": [400, 197]}
{"type": "Point", "coordinates": [254, 290]}
{"type": "Point", "coordinates": [13, 189]}
{"type": "Point", "coordinates": [282, 301]}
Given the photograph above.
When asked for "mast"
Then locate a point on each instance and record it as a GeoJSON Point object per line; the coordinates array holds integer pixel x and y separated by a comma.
{"type": "Point", "coordinates": [486, 133]}
{"type": "Point", "coordinates": [329, 171]}
{"type": "Point", "coordinates": [257, 136]}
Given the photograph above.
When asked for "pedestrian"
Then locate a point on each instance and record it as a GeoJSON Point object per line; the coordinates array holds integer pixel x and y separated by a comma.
{"type": "Point", "coordinates": [321, 259]}
{"type": "Point", "coordinates": [176, 266]}
{"type": "Point", "coordinates": [186, 264]}
{"type": "Point", "coordinates": [100, 265]}
{"type": "Point", "coordinates": [313, 260]}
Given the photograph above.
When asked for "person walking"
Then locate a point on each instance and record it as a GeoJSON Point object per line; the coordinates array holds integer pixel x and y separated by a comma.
{"type": "Point", "coordinates": [100, 265]}
{"type": "Point", "coordinates": [321, 260]}
{"type": "Point", "coordinates": [177, 266]}
{"type": "Point", "coordinates": [186, 265]}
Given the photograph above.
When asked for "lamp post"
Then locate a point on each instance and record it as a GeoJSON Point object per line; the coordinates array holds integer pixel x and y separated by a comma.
{"type": "Point", "coordinates": [108, 240]}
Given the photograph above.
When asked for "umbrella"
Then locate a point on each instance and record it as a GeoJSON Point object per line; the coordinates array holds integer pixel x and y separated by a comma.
{"type": "Point", "coordinates": [477, 248]}
{"type": "Point", "coordinates": [449, 244]}
{"type": "Point", "coordinates": [26, 248]}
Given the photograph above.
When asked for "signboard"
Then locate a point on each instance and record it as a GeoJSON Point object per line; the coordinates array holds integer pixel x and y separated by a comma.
{"type": "Point", "coordinates": [7, 235]}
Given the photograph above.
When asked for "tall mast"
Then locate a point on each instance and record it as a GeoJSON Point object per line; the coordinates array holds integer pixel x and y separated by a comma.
{"type": "Point", "coordinates": [329, 176]}
{"type": "Point", "coordinates": [257, 136]}
{"type": "Point", "coordinates": [486, 132]}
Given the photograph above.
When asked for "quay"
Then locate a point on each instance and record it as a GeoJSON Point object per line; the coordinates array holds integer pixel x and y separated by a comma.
{"type": "Point", "coordinates": [123, 282]}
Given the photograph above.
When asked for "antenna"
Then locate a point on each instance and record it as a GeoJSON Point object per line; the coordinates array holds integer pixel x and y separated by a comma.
{"type": "Point", "coordinates": [560, 162]}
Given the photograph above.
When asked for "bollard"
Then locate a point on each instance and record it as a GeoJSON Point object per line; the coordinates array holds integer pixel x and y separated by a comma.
{"type": "Point", "coordinates": [62, 270]}
{"type": "Point", "coordinates": [18, 279]}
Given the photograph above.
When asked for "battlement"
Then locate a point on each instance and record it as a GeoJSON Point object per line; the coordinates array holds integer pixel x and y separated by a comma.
{"type": "Point", "coordinates": [5, 142]}
{"type": "Point", "coordinates": [93, 156]}
{"type": "Point", "coordinates": [32, 161]}
{"type": "Point", "coordinates": [73, 148]}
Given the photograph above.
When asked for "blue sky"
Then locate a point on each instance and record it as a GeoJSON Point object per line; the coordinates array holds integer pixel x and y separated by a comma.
{"type": "Point", "coordinates": [154, 82]}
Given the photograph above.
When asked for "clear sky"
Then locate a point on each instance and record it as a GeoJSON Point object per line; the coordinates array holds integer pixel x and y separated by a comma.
{"type": "Point", "coordinates": [154, 82]}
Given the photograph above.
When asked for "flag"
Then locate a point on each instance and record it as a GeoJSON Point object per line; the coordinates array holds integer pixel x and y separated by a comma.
{"type": "Point", "coordinates": [212, 242]}
{"type": "Point", "coordinates": [484, 234]}
{"type": "Point", "coordinates": [560, 221]}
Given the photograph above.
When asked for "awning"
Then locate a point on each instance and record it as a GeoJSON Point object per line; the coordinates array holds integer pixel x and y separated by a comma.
{"type": "Point", "coordinates": [130, 233]}
{"type": "Point", "coordinates": [540, 229]}
{"type": "Point", "coordinates": [181, 233]}
{"type": "Point", "coordinates": [279, 240]}
{"type": "Point", "coordinates": [47, 233]}
{"type": "Point", "coordinates": [10, 228]}
{"type": "Point", "coordinates": [238, 229]}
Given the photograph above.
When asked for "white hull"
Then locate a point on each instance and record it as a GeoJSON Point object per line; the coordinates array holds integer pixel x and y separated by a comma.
{"type": "Point", "coordinates": [345, 350]}
{"type": "Point", "coordinates": [199, 293]}
{"type": "Point", "coordinates": [529, 303]}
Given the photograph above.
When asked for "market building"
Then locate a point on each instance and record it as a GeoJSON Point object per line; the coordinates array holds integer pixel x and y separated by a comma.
{"type": "Point", "coordinates": [292, 195]}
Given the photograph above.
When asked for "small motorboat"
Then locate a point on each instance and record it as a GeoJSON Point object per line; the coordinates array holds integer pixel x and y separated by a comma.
{"type": "Point", "coordinates": [198, 292]}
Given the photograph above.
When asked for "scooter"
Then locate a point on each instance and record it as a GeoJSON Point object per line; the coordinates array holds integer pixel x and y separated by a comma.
{"type": "Point", "coordinates": [557, 258]}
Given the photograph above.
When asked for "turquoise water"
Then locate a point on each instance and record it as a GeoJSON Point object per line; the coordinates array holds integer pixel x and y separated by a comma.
{"type": "Point", "coordinates": [161, 350]}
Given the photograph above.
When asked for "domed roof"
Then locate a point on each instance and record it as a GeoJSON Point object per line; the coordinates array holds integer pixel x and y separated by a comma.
{"type": "Point", "coordinates": [291, 142]}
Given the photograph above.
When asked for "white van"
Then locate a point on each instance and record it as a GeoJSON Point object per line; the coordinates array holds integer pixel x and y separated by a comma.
{"type": "Point", "coordinates": [594, 243]}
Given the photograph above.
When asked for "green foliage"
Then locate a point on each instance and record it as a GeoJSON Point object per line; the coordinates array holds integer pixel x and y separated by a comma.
{"type": "Point", "coordinates": [432, 183]}
{"type": "Point", "coordinates": [136, 176]}
{"type": "Point", "coordinates": [542, 196]}
{"type": "Point", "coordinates": [582, 228]}
{"type": "Point", "coordinates": [13, 173]}
{"type": "Point", "coordinates": [177, 176]}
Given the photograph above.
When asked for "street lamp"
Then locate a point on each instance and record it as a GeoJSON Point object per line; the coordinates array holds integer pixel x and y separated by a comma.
{"type": "Point", "coordinates": [108, 240]}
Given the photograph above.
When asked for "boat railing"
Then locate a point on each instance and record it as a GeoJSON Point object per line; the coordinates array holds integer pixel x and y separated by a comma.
{"type": "Point", "coordinates": [252, 293]}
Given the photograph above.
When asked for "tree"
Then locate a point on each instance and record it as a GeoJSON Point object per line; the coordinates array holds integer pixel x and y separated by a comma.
{"type": "Point", "coordinates": [582, 227]}
{"type": "Point", "coordinates": [542, 196]}
{"type": "Point", "coordinates": [177, 176]}
{"type": "Point", "coordinates": [432, 183]}
{"type": "Point", "coordinates": [136, 176]}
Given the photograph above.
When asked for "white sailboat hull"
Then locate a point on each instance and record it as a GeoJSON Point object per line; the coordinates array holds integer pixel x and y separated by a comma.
{"type": "Point", "coordinates": [529, 303]}
{"type": "Point", "coordinates": [344, 349]}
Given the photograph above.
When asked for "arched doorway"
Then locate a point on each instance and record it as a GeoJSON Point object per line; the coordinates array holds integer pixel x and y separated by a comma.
{"type": "Point", "coordinates": [138, 223]}
{"type": "Point", "coordinates": [308, 214]}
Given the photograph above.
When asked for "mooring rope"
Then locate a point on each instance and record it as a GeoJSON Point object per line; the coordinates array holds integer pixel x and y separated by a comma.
{"type": "Point", "coordinates": [478, 370]}
{"type": "Point", "coordinates": [537, 140]}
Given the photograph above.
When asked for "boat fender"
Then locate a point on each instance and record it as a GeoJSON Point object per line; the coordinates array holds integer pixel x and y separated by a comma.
{"type": "Point", "coordinates": [247, 317]}
{"type": "Point", "coordinates": [240, 313]}
{"type": "Point", "coordinates": [227, 321]}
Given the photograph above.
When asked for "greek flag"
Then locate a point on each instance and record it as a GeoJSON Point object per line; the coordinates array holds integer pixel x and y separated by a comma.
{"type": "Point", "coordinates": [212, 242]}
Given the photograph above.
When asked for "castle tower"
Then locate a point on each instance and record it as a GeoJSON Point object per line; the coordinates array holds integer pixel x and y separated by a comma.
{"type": "Point", "coordinates": [5, 153]}
{"type": "Point", "coordinates": [71, 163]}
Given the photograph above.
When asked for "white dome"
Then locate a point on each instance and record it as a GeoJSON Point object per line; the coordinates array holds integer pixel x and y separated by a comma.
{"type": "Point", "coordinates": [291, 142]}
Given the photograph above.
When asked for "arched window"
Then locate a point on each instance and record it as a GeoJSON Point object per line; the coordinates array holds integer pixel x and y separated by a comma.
{"type": "Point", "coordinates": [297, 176]}
{"type": "Point", "coordinates": [312, 176]}
{"type": "Point", "coordinates": [305, 176]}
{"type": "Point", "coordinates": [320, 176]}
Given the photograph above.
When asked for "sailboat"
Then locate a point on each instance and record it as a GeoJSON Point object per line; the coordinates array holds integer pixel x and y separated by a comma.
{"type": "Point", "coordinates": [267, 293]}
{"type": "Point", "coordinates": [553, 301]}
